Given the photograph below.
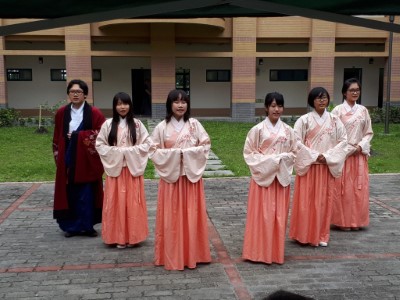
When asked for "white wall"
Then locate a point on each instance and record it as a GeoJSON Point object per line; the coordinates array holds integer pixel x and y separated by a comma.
{"type": "Point", "coordinates": [207, 94]}
{"type": "Point", "coordinates": [116, 77]}
{"type": "Point", "coordinates": [294, 92]}
{"type": "Point", "coordinates": [30, 94]}
{"type": "Point", "coordinates": [370, 78]}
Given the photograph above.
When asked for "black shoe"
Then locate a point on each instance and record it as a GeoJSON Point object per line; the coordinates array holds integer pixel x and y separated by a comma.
{"type": "Point", "coordinates": [68, 234]}
{"type": "Point", "coordinates": [92, 233]}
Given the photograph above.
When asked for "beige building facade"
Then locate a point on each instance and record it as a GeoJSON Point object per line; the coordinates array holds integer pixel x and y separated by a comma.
{"type": "Point", "coordinates": [227, 65]}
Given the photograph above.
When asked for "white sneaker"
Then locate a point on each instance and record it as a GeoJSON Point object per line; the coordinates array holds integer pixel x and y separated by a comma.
{"type": "Point", "coordinates": [323, 244]}
{"type": "Point", "coordinates": [121, 246]}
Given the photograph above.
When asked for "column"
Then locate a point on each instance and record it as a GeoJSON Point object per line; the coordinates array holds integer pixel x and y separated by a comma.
{"type": "Point", "coordinates": [244, 43]}
{"type": "Point", "coordinates": [162, 66]}
{"type": "Point", "coordinates": [78, 60]}
{"type": "Point", "coordinates": [322, 62]}
{"type": "Point", "coordinates": [3, 75]}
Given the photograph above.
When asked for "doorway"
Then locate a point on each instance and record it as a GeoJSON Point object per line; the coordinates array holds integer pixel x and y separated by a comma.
{"type": "Point", "coordinates": [182, 79]}
{"type": "Point", "coordinates": [141, 92]}
{"type": "Point", "coordinates": [380, 90]}
{"type": "Point", "coordinates": [353, 73]}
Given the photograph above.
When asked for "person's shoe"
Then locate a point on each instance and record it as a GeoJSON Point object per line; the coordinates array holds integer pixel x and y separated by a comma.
{"type": "Point", "coordinates": [92, 233]}
{"type": "Point", "coordinates": [68, 234]}
{"type": "Point", "coordinates": [344, 228]}
{"type": "Point", "coordinates": [121, 246]}
{"type": "Point", "coordinates": [355, 228]}
{"type": "Point", "coordinates": [323, 244]}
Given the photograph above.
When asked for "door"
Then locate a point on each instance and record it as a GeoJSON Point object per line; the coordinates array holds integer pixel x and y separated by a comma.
{"type": "Point", "coordinates": [182, 77]}
{"type": "Point", "coordinates": [141, 92]}
{"type": "Point", "coordinates": [353, 73]}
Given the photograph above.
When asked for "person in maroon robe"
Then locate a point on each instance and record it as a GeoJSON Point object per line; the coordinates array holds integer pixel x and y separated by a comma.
{"type": "Point", "coordinates": [78, 193]}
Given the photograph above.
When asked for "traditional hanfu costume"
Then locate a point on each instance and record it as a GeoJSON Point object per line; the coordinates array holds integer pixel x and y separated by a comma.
{"type": "Point", "coordinates": [181, 234]}
{"type": "Point", "coordinates": [124, 208]}
{"type": "Point", "coordinates": [314, 190]}
{"type": "Point", "coordinates": [78, 194]}
{"type": "Point", "coordinates": [351, 208]}
{"type": "Point", "coordinates": [269, 151]}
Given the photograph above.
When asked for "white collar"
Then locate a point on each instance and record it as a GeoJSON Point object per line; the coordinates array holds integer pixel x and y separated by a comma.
{"type": "Point", "coordinates": [178, 125]}
{"type": "Point", "coordinates": [320, 119]}
{"type": "Point", "coordinates": [273, 128]}
{"type": "Point", "coordinates": [348, 108]}
{"type": "Point", "coordinates": [122, 122]}
{"type": "Point", "coordinates": [77, 110]}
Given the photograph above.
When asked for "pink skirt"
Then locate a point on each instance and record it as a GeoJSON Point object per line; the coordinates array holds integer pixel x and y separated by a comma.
{"type": "Point", "coordinates": [312, 206]}
{"type": "Point", "coordinates": [351, 207]}
{"type": "Point", "coordinates": [181, 234]}
{"type": "Point", "coordinates": [124, 210]}
{"type": "Point", "coordinates": [267, 212]}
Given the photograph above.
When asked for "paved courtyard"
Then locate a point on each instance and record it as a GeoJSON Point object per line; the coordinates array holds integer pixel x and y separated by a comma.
{"type": "Point", "coordinates": [38, 262]}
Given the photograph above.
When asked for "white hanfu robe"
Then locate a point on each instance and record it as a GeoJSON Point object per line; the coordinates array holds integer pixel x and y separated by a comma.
{"type": "Point", "coordinates": [314, 190]}
{"type": "Point", "coordinates": [181, 234]}
{"type": "Point", "coordinates": [269, 151]}
{"type": "Point", "coordinates": [124, 207]}
{"type": "Point", "coordinates": [351, 208]}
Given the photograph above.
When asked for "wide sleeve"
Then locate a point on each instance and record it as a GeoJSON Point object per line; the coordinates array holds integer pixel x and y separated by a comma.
{"type": "Point", "coordinates": [57, 133]}
{"type": "Point", "coordinates": [136, 156]}
{"type": "Point", "coordinates": [305, 156]}
{"type": "Point", "coordinates": [287, 159]}
{"type": "Point", "coordinates": [365, 142]}
{"type": "Point", "coordinates": [194, 159]}
{"type": "Point", "coordinates": [335, 157]}
{"type": "Point", "coordinates": [111, 157]}
{"type": "Point", "coordinates": [166, 161]}
{"type": "Point", "coordinates": [263, 167]}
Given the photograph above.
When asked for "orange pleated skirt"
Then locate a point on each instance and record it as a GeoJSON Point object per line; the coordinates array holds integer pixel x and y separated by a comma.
{"type": "Point", "coordinates": [311, 212]}
{"type": "Point", "coordinates": [124, 210]}
{"type": "Point", "coordinates": [267, 212]}
{"type": "Point", "coordinates": [351, 207]}
{"type": "Point", "coordinates": [181, 234]}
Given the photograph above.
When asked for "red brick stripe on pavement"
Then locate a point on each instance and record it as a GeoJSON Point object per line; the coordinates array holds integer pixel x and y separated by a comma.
{"type": "Point", "coordinates": [384, 205]}
{"type": "Point", "coordinates": [6, 213]}
{"type": "Point", "coordinates": [231, 271]}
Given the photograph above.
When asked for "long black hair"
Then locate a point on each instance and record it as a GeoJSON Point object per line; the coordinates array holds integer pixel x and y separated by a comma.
{"type": "Point", "coordinates": [173, 96]}
{"type": "Point", "coordinates": [112, 137]}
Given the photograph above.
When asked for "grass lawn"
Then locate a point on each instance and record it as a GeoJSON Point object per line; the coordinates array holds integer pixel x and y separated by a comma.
{"type": "Point", "coordinates": [27, 156]}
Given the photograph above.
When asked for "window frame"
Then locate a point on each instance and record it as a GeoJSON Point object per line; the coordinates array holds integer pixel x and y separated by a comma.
{"type": "Point", "coordinates": [218, 75]}
{"type": "Point", "coordinates": [288, 75]}
{"type": "Point", "coordinates": [18, 72]}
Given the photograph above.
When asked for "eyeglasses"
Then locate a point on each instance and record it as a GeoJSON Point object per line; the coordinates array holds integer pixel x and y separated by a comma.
{"type": "Point", "coordinates": [75, 92]}
{"type": "Point", "coordinates": [354, 91]}
{"type": "Point", "coordinates": [321, 99]}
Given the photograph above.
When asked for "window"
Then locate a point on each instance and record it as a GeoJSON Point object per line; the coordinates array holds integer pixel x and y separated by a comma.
{"type": "Point", "coordinates": [96, 74]}
{"type": "Point", "coordinates": [288, 75]}
{"type": "Point", "coordinates": [19, 74]}
{"type": "Point", "coordinates": [218, 75]}
{"type": "Point", "coordinates": [58, 74]}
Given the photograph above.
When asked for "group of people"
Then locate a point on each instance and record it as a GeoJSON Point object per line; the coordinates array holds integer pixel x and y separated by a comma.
{"type": "Point", "coordinates": [328, 151]}
{"type": "Point", "coordinates": [85, 145]}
